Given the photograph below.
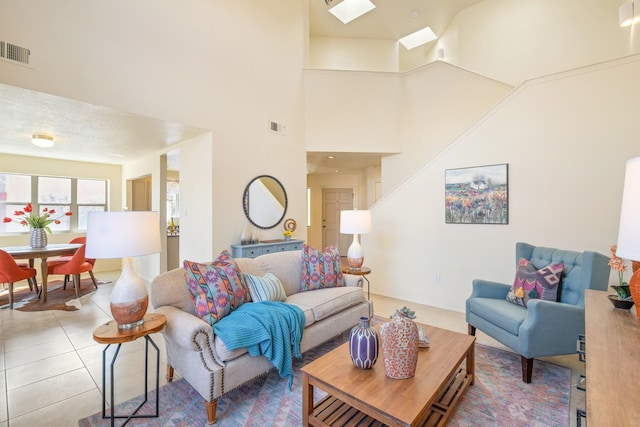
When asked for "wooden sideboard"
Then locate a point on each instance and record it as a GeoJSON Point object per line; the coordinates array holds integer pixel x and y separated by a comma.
{"type": "Point", "coordinates": [266, 247]}
{"type": "Point", "coordinates": [612, 353]}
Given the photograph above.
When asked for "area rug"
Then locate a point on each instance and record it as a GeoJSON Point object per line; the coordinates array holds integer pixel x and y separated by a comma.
{"type": "Point", "coordinates": [498, 397]}
{"type": "Point", "coordinates": [57, 297]}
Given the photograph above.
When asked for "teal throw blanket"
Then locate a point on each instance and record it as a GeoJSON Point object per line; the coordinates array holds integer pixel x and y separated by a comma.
{"type": "Point", "coordinates": [267, 328]}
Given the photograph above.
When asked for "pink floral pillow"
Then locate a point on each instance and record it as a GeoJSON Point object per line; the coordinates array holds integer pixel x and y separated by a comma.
{"type": "Point", "coordinates": [320, 269]}
{"type": "Point", "coordinates": [216, 289]}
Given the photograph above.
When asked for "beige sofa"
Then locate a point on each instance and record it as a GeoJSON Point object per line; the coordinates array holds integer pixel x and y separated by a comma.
{"type": "Point", "coordinates": [203, 359]}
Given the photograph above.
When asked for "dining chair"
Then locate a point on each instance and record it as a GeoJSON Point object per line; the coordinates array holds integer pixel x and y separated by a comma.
{"type": "Point", "coordinates": [11, 272]}
{"type": "Point", "coordinates": [74, 268]}
{"type": "Point", "coordinates": [92, 261]}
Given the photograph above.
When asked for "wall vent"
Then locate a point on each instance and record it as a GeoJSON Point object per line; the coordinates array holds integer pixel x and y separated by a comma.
{"type": "Point", "coordinates": [14, 53]}
{"type": "Point", "coordinates": [276, 127]}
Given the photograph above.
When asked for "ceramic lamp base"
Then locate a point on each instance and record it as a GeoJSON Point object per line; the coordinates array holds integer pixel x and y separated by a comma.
{"type": "Point", "coordinates": [355, 257]}
{"type": "Point", "coordinates": [129, 298]}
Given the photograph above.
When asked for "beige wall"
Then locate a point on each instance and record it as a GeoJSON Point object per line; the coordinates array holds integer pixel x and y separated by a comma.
{"type": "Point", "coordinates": [566, 156]}
{"type": "Point", "coordinates": [332, 53]}
{"type": "Point", "coordinates": [513, 41]}
{"type": "Point", "coordinates": [228, 66]}
{"type": "Point", "coordinates": [507, 40]}
{"type": "Point", "coordinates": [63, 168]}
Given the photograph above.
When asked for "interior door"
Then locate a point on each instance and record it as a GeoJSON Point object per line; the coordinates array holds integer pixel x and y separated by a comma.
{"type": "Point", "coordinates": [335, 200]}
{"type": "Point", "coordinates": [141, 194]}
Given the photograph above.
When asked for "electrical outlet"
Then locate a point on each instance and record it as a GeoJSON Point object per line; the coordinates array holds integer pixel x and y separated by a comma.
{"type": "Point", "coordinates": [436, 278]}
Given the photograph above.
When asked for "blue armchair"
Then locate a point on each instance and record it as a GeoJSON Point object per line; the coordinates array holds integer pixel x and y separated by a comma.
{"type": "Point", "coordinates": [542, 328]}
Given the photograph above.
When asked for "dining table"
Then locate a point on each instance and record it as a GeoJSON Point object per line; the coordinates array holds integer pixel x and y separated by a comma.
{"type": "Point", "coordinates": [27, 252]}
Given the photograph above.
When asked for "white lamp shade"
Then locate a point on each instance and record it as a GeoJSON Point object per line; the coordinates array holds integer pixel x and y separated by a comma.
{"type": "Point", "coordinates": [629, 232]}
{"type": "Point", "coordinates": [355, 222]}
{"type": "Point", "coordinates": [122, 234]}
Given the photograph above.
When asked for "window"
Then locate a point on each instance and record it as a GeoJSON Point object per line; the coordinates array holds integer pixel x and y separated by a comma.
{"type": "Point", "coordinates": [54, 194]}
{"type": "Point", "coordinates": [79, 196]}
{"type": "Point", "coordinates": [91, 197]}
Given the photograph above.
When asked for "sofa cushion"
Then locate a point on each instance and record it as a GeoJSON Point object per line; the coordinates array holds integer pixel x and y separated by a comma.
{"type": "Point", "coordinates": [320, 269]}
{"type": "Point", "coordinates": [500, 312]}
{"type": "Point", "coordinates": [533, 283]}
{"type": "Point", "coordinates": [265, 288]}
{"type": "Point", "coordinates": [316, 305]}
{"type": "Point", "coordinates": [215, 290]}
{"type": "Point", "coordinates": [285, 265]}
{"type": "Point", "coordinates": [322, 303]}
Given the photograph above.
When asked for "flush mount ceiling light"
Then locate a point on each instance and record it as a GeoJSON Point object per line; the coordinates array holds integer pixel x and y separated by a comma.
{"type": "Point", "coordinates": [418, 38]}
{"type": "Point", "coordinates": [44, 141]}
{"type": "Point", "coordinates": [348, 10]}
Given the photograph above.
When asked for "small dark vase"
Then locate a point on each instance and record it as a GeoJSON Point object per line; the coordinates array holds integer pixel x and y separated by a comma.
{"type": "Point", "coordinates": [363, 344]}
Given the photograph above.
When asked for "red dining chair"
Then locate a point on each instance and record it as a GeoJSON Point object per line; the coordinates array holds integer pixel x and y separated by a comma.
{"type": "Point", "coordinates": [74, 267]}
{"type": "Point", "coordinates": [92, 261]}
{"type": "Point", "coordinates": [10, 272]}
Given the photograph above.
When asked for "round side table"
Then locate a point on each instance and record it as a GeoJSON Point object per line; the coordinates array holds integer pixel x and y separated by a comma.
{"type": "Point", "coordinates": [110, 334]}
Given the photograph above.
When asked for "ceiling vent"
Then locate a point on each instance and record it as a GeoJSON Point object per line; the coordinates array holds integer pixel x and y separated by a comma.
{"type": "Point", "coordinates": [14, 53]}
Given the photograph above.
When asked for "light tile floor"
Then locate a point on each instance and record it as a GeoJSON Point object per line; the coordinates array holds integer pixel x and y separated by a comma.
{"type": "Point", "coordinates": [52, 367]}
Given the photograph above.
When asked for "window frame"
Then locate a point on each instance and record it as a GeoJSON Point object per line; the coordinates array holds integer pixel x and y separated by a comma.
{"type": "Point", "coordinates": [73, 205]}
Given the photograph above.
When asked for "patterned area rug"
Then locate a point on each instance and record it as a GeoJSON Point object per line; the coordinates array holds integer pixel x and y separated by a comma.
{"type": "Point", "coordinates": [498, 397]}
{"type": "Point", "coordinates": [57, 297]}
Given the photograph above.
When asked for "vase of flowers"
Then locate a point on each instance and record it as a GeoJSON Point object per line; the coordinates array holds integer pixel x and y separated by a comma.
{"type": "Point", "coordinates": [287, 235]}
{"type": "Point", "coordinates": [624, 298]}
{"type": "Point", "coordinates": [38, 222]}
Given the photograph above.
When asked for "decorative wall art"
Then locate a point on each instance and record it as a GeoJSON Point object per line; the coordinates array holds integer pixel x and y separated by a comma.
{"type": "Point", "coordinates": [477, 195]}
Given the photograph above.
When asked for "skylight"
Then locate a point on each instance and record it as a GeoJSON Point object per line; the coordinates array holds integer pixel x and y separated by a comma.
{"type": "Point", "coordinates": [348, 10]}
{"type": "Point", "coordinates": [418, 38]}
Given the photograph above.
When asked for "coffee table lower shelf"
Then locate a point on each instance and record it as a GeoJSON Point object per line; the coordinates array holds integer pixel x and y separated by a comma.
{"type": "Point", "coordinates": [331, 411]}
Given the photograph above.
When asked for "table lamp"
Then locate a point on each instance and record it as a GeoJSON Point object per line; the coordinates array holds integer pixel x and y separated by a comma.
{"type": "Point", "coordinates": [629, 232]}
{"type": "Point", "coordinates": [355, 222]}
{"type": "Point", "coordinates": [125, 235]}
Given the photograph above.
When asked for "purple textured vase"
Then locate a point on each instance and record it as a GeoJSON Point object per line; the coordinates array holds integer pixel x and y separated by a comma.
{"type": "Point", "coordinates": [363, 344]}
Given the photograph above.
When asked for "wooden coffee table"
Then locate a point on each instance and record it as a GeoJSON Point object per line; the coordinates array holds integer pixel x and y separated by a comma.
{"type": "Point", "coordinates": [356, 395]}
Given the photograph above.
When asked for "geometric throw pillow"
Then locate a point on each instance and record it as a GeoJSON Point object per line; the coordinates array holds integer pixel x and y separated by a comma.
{"type": "Point", "coordinates": [225, 259]}
{"type": "Point", "coordinates": [533, 283]}
{"type": "Point", "coordinates": [265, 288]}
{"type": "Point", "coordinates": [215, 290]}
{"type": "Point", "coordinates": [320, 269]}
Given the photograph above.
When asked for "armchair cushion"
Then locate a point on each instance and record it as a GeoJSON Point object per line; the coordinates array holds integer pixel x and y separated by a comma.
{"type": "Point", "coordinates": [533, 283]}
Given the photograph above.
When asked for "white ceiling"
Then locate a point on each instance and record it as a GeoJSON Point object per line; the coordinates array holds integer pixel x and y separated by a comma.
{"type": "Point", "coordinates": [92, 133]}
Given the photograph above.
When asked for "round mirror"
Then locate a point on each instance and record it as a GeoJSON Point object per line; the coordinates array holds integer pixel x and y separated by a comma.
{"type": "Point", "coordinates": [264, 201]}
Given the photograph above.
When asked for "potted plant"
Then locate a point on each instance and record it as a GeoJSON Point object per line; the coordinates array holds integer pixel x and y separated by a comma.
{"type": "Point", "coordinates": [623, 299]}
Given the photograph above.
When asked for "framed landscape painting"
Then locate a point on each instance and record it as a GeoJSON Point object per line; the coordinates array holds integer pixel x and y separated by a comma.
{"type": "Point", "coordinates": [477, 195]}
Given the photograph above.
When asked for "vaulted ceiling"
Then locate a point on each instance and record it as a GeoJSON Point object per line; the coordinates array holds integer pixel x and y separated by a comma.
{"type": "Point", "coordinates": [85, 132]}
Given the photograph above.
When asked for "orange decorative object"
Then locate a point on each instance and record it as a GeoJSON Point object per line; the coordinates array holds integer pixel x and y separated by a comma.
{"type": "Point", "coordinates": [634, 286]}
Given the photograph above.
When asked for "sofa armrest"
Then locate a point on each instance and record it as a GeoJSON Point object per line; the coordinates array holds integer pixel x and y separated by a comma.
{"type": "Point", "coordinates": [185, 329]}
{"type": "Point", "coordinates": [352, 280]}
{"type": "Point", "coordinates": [488, 289]}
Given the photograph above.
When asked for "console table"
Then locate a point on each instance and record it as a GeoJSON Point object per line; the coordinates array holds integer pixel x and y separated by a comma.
{"type": "Point", "coordinates": [265, 247]}
{"type": "Point", "coordinates": [612, 343]}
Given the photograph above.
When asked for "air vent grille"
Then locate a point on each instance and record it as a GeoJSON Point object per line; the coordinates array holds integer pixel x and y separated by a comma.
{"type": "Point", "coordinates": [14, 52]}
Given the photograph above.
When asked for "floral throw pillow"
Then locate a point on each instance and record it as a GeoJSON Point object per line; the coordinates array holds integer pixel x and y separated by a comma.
{"type": "Point", "coordinates": [533, 283]}
{"type": "Point", "coordinates": [320, 269]}
{"type": "Point", "coordinates": [215, 290]}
